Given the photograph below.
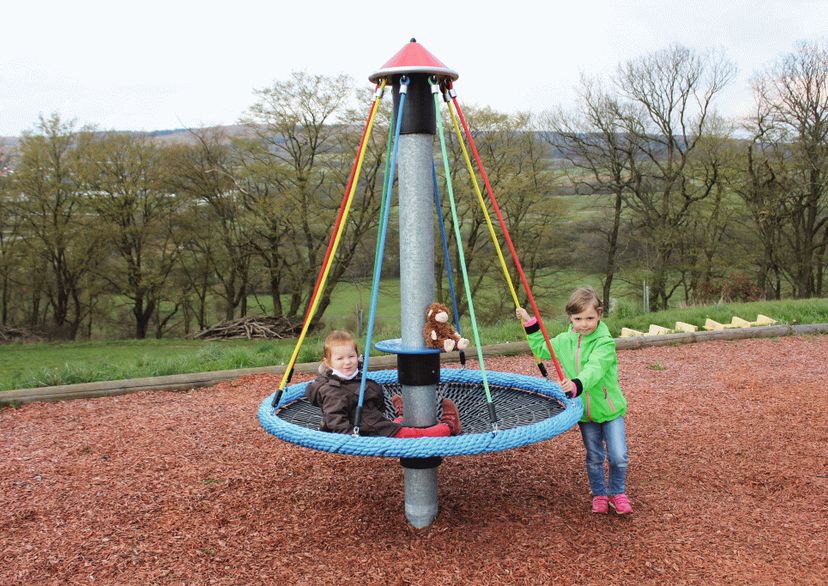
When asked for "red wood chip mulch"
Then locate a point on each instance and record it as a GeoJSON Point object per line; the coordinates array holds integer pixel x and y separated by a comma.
{"type": "Point", "coordinates": [727, 475]}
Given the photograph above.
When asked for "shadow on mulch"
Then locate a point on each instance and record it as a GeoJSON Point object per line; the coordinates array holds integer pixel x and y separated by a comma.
{"type": "Point", "coordinates": [727, 476]}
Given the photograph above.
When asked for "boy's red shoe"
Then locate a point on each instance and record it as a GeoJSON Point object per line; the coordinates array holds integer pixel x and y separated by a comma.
{"type": "Point", "coordinates": [451, 416]}
{"type": "Point", "coordinates": [620, 504]}
{"type": "Point", "coordinates": [600, 505]}
{"type": "Point", "coordinates": [397, 402]}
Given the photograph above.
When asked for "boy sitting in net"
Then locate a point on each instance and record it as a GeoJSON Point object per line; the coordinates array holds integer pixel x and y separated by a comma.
{"type": "Point", "coordinates": [336, 391]}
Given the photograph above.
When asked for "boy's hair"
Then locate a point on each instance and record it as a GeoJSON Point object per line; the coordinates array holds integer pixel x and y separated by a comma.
{"type": "Point", "coordinates": [337, 338]}
{"type": "Point", "coordinates": [582, 299]}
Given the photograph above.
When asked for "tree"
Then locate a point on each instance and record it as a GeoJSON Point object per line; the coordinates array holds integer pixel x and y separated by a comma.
{"type": "Point", "coordinates": [758, 179]}
{"type": "Point", "coordinates": [594, 141]}
{"type": "Point", "coordinates": [670, 95]}
{"type": "Point", "coordinates": [202, 173]}
{"type": "Point", "coordinates": [11, 252]}
{"type": "Point", "coordinates": [193, 272]}
{"type": "Point", "coordinates": [122, 174]}
{"type": "Point", "coordinates": [59, 227]}
{"type": "Point", "coordinates": [708, 247]}
{"type": "Point", "coordinates": [792, 117]}
{"type": "Point", "coordinates": [517, 166]}
{"type": "Point", "coordinates": [293, 183]}
{"type": "Point", "coordinates": [259, 184]}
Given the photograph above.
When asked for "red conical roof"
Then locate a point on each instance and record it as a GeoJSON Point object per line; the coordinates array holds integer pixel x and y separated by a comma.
{"type": "Point", "coordinates": [413, 58]}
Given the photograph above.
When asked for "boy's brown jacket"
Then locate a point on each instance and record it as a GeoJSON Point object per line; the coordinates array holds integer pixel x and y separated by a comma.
{"type": "Point", "coordinates": [338, 400]}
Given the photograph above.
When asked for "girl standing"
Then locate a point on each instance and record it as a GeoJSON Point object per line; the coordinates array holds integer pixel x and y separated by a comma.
{"type": "Point", "coordinates": [586, 352]}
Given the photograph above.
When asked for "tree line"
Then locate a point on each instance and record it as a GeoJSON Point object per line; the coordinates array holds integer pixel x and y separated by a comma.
{"type": "Point", "coordinates": [701, 194]}
{"type": "Point", "coordinates": [141, 236]}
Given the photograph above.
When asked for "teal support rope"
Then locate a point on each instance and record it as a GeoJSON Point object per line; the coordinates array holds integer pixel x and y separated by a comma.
{"type": "Point", "coordinates": [446, 256]}
{"type": "Point", "coordinates": [383, 229]}
{"type": "Point", "coordinates": [435, 90]}
{"type": "Point", "coordinates": [388, 145]}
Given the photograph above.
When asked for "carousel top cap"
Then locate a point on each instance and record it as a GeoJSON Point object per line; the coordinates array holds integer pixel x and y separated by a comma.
{"type": "Point", "coordinates": [413, 58]}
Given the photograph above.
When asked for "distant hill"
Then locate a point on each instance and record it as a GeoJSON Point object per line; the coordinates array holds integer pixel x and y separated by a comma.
{"type": "Point", "coordinates": [169, 136]}
{"type": "Point", "coordinates": [186, 136]}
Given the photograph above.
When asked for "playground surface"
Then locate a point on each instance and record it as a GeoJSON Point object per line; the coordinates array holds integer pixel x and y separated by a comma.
{"type": "Point", "coordinates": [728, 477]}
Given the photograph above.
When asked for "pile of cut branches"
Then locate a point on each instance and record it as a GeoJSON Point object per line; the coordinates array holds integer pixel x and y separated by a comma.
{"type": "Point", "coordinates": [250, 328]}
{"type": "Point", "coordinates": [9, 335]}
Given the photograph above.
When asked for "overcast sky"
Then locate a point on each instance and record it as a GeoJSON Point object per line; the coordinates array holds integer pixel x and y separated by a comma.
{"type": "Point", "coordinates": [153, 65]}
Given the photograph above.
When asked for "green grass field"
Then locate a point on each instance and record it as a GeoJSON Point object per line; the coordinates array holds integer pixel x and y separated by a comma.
{"type": "Point", "coordinates": [349, 297]}
{"type": "Point", "coordinates": [35, 365]}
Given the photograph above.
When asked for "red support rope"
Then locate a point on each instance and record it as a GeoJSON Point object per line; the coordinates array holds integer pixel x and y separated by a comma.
{"type": "Point", "coordinates": [523, 280]}
{"type": "Point", "coordinates": [341, 208]}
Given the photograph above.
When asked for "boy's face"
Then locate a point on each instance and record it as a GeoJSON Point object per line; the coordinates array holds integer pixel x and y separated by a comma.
{"type": "Point", "coordinates": [584, 323]}
{"type": "Point", "coordinates": [343, 358]}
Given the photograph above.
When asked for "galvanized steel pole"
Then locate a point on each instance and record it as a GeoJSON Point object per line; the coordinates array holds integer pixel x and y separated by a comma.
{"type": "Point", "coordinates": [419, 372]}
{"type": "Point", "coordinates": [416, 213]}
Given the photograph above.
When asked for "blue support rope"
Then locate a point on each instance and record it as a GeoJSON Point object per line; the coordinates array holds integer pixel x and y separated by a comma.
{"type": "Point", "coordinates": [446, 256]}
{"type": "Point", "coordinates": [380, 252]}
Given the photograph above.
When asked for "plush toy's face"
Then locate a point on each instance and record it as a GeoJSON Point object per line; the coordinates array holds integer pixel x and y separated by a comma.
{"type": "Point", "coordinates": [438, 331]}
{"type": "Point", "coordinates": [438, 312]}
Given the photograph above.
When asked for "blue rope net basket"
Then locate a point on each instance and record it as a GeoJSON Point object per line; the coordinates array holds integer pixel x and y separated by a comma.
{"type": "Point", "coordinates": [529, 410]}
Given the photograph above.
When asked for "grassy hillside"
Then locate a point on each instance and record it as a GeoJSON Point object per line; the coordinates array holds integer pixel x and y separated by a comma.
{"type": "Point", "coordinates": [34, 365]}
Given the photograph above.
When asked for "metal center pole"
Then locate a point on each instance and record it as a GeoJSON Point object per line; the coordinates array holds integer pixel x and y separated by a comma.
{"type": "Point", "coordinates": [416, 213]}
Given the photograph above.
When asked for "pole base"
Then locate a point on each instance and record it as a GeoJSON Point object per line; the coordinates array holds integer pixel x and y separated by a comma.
{"type": "Point", "coordinates": [421, 506]}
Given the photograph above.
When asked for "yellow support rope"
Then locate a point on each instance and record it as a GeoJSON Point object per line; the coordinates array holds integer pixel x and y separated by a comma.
{"type": "Point", "coordinates": [492, 233]}
{"type": "Point", "coordinates": [337, 237]}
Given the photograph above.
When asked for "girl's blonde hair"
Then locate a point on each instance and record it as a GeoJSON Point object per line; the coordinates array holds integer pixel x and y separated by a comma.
{"type": "Point", "coordinates": [582, 299]}
{"type": "Point", "coordinates": [338, 338]}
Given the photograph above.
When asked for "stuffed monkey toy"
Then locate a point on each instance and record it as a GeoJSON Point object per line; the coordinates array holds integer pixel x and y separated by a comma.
{"type": "Point", "coordinates": [439, 333]}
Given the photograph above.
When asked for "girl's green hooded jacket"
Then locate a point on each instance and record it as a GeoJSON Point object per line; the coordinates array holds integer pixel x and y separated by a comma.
{"type": "Point", "coordinates": [592, 360]}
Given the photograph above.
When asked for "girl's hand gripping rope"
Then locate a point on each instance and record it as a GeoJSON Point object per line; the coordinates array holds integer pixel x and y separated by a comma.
{"type": "Point", "coordinates": [570, 388]}
{"type": "Point", "coordinates": [522, 315]}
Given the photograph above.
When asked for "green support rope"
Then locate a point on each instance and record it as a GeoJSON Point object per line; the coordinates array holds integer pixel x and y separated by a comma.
{"type": "Point", "coordinates": [492, 235]}
{"type": "Point", "coordinates": [435, 90]}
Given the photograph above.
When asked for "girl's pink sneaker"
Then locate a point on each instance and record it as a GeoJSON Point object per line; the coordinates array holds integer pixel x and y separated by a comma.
{"type": "Point", "coordinates": [600, 505]}
{"type": "Point", "coordinates": [620, 504]}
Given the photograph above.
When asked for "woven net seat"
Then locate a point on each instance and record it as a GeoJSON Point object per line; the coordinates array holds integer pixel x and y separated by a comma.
{"type": "Point", "coordinates": [528, 410]}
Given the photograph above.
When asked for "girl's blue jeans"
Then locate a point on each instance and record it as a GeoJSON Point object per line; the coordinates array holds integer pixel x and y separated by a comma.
{"type": "Point", "coordinates": [595, 436]}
